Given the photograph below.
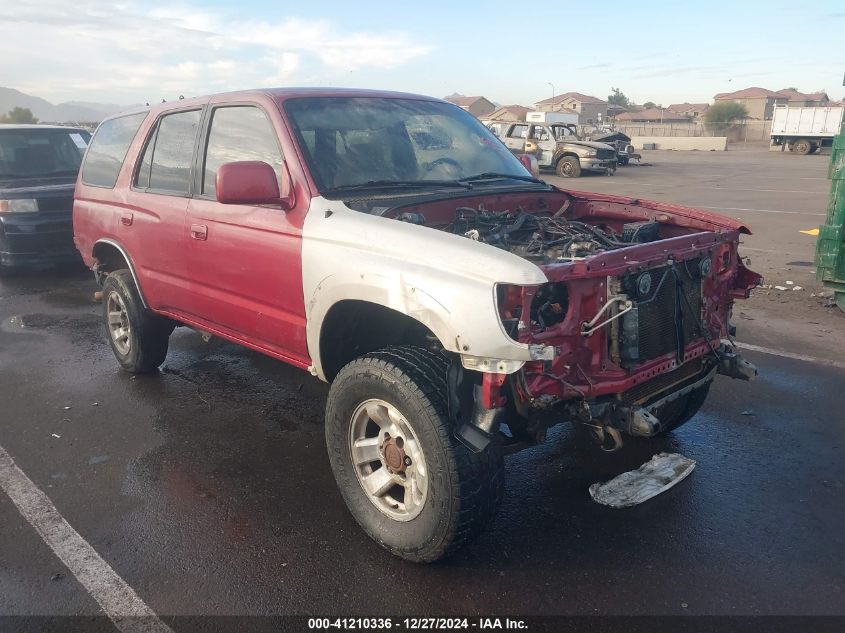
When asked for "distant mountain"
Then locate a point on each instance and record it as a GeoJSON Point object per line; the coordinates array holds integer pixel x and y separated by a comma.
{"type": "Point", "coordinates": [67, 112]}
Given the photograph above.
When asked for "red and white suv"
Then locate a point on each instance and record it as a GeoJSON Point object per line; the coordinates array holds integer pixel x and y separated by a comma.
{"type": "Point", "coordinates": [390, 244]}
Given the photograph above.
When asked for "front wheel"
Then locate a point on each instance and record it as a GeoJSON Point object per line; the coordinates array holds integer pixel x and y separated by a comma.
{"type": "Point", "coordinates": [137, 337]}
{"type": "Point", "coordinates": [410, 484]}
{"type": "Point", "coordinates": [569, 167]}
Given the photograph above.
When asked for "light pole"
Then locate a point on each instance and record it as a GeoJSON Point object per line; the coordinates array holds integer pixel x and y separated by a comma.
{"type": "Point", "coordinates": [553, 92]}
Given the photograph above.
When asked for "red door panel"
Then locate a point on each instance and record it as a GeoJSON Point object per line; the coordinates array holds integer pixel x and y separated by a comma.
{"type": "Point", "coordinates": [245, 274]}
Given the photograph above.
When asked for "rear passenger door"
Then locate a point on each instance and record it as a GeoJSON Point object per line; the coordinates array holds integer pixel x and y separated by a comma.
{"type": "Point", "coordinates": [515, 137]}
{"type": "Point", "coordinates": [244, 261]}
{"type": "Point", "coordinates": [541, 144]}
{"type": "Point", "coordinates": [153, 222]}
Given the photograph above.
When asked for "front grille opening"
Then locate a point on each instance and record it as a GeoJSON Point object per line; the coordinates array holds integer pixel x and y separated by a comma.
{"type": "Point", "coordinates": [650, 330]}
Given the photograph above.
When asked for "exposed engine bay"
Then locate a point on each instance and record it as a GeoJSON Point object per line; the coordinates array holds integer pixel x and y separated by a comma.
{"type": "Point", "coordinates": [542, 238]}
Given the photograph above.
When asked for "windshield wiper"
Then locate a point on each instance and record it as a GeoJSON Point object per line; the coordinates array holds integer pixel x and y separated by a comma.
{"type": "Point", "coordinates": [401, 184]}
{"type": "Point", "coordinates": [491, 175]}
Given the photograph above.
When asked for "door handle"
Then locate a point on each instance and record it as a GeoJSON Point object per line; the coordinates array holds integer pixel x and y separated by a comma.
{"type": "Point", "coordinates": [199, 232]}
{"type": "Point", "coordinates": [126, 219]}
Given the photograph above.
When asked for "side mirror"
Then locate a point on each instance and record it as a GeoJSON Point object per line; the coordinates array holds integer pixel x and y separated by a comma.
{"type": "Point", "coordinates": [251, 182]}
{"type": "Point", "coordinates": [529, 161]}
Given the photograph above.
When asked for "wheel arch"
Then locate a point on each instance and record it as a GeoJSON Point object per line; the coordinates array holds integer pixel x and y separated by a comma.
{"type": "Point", "coordinates": [564, 154]}
{"type": "Point", "coordinates": [352, 328]}
{"type": "Point", "coordinates": [109, 256]}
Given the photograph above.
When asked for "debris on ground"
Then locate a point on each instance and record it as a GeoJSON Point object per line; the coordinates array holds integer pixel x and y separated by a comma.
{"type": "Point", "coordinates": [56, 435]}
{"type": "Point", "coordinates": [780, 288]}
{"type": "Point", "coordinates": [749, 412]}
{"type": "Point", "coordinates": [797, 288]}
{"type": "Point", "coordinates": [56, 577]}
{"type": "Point", "coordinates": [657, 475]}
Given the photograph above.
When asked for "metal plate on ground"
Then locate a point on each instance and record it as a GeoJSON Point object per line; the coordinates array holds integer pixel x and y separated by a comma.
{"type": "Point", "coordinates": [657, 475]}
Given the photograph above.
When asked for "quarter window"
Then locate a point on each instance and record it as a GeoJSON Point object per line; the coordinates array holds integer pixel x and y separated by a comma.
{"type": "Point", "coordinates": [172, 152]}
{"type": "Point", "coordinates": [108, 149]}
{"type": "Point", "coordinates": [238, 133]}
{"type": "Point", "coordinates": [518, 131]}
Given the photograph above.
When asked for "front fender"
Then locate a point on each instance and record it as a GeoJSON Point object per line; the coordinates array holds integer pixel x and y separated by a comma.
{"type": "Point", "coordinates": [445, 282]}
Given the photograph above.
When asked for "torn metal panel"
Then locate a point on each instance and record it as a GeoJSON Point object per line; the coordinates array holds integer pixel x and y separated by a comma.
{"type": "Point", "coordinates": [663, 471]}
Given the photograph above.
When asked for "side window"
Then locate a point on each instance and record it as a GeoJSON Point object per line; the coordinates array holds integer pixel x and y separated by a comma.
{"type": "Point", "coordinates": [540, 133]}
{"type": "Point", "coordinates": [169, 153]}
{"type": "Point", "coordinates": [518, 131]}
{"type": "Point", "coordinates": [142, 178]}
{"type": "Point", "coordinates": [238, 133]}
{"type": "Point", "coordinates": [108, 149]}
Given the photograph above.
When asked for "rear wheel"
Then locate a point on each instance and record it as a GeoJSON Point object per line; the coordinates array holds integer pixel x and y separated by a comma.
{"type": "Point", "coordinates": [569, 167]}
{"type": "Point", "coordinates": [410, 484]}
{"type": "Point", "coordinates": [802, 146]}
{"type": "Point", "coordinates": [138, 337]}
{"type": "Point", "coordinates": [682, 410]}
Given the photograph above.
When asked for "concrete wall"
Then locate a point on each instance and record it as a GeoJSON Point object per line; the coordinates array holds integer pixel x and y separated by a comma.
{"type": "Point", "coordinates": [702, 143]}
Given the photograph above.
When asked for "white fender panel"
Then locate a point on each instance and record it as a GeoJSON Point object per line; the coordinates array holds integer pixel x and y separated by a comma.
{"type": "Point", "coordinates": [447, 282]}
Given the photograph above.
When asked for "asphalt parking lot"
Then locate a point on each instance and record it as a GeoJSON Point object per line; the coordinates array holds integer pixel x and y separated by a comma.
{"type": "Point", "coordinates": [206, 487]}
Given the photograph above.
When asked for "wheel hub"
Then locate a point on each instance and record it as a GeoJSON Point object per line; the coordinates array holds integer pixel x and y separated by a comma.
{"type": "Point", "coordinates": [388, 459]}
{"type": "Point", "coordinates": [393, 455]}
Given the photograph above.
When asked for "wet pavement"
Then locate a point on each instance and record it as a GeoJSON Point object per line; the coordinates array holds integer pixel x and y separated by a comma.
{"type": "Point", "coordinates": [207, 488]}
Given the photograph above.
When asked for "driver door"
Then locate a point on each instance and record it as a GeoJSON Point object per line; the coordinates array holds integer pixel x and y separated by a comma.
{"type": "Point", "coordinates": [515, 138]}
{"type": "Point", "coordinates": [542, 144]}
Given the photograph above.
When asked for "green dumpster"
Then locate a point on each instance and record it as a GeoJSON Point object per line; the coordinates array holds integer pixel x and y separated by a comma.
{"type": "Point", "coordinates": [830, 248]}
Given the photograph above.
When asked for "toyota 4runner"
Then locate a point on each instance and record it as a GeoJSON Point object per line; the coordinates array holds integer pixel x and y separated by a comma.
{"type": "Point", "coordinates": [392, 246]}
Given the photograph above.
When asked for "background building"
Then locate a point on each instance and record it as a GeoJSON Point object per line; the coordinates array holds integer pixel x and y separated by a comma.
{"type": "Point", "coordinates": [589, 109]}
{"type": "Point", "coordinates": [758, 101]}
{"type": "Point", "coordinates": [509, 113]}
{"type": "Point", "coordinates": [479, 106]}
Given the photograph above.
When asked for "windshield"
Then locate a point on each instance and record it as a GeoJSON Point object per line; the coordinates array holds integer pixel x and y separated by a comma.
{"type": "Point", "coordinates": [359, 142]}
{"type": "Point", "coordinates": [33, 153]}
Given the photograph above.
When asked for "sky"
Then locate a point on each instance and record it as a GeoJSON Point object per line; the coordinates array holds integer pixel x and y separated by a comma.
{"type": "Point", "coordinates": [129, 51]}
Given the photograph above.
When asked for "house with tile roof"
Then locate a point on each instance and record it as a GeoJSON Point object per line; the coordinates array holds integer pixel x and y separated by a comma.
{"type": "Point", "coordinates": [589, 109]}
{"type": "Point", "coordinates": [759, 102]}
{"type": "Point", "coordinates": [805, 99]}
{"type": "Point", "coordinates": [479, 106]}
{"type": "Point", "coordinates": [693, 111]}
{"type": "Point", "coordinates": [509, 113]}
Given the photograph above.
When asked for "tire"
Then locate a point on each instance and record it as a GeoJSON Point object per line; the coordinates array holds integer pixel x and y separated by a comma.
{"type": "Point", "coordinates": [624, 161]}
{"type": "Point", "coordinates": [682, 410]}
{"type": "Point", "coordinates": [802, 146]}
{"type": "Point", "coordinates": [568, 167]}
{"type": "Point", "coordinates": [813, 148]}
{"type": "Point", "coordinates": [137, 337]}
{"type": "Point", "coordinates": [462, 490]}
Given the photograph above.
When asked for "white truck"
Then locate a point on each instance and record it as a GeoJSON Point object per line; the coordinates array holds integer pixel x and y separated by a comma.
{"type": "Point", "coordinates": [552, 117]}
{"type": "Point", "coordinates": [804, 130]}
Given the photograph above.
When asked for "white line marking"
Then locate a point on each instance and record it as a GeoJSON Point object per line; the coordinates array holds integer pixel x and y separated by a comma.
{"type": "Point", "coordinates": [123, 606]}
{"type": "Point", "coordinates": [761, 210]}
{"type": "Point", "coordinates": [804, 357]}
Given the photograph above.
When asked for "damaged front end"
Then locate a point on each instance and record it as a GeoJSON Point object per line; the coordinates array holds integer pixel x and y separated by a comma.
{"type": "Point", "coordinates": [636, 310]}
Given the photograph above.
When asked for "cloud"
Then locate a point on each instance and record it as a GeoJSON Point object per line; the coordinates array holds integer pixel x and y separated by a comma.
{"type": "Point", "coordinates": [145, 50]}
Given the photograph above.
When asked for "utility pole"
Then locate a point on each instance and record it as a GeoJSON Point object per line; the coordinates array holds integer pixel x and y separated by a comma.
{"type": "Point", "coordinates": [553, 93]}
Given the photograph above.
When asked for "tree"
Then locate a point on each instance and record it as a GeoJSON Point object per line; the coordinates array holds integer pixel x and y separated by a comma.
{"type": "Point", "coordinates": [649, 104]}
{"type": "Point", "coordinates": [725, 113]}
{"type": "Point", "coordinates": [617, 97]}
{"type": "Point", "coordinates": [18, 115]}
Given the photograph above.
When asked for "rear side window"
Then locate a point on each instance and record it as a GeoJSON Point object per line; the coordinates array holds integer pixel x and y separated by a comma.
{"type": "Point", "coordinates": [166, 163]}
{"type": "Point", "coordinates": [108, 149]}
{"type": "Point", "coordinates": [34, 153]}
{"type": "Point", "coordinates": [238, 133]}
{"type": "Point", "coordinates": [518, 131]}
